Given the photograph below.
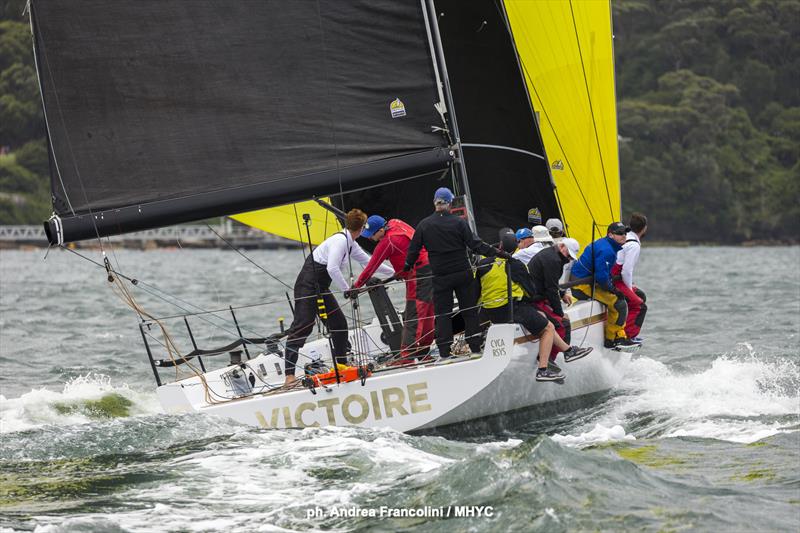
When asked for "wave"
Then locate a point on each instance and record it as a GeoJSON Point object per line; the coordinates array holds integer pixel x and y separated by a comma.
{"type": "Point", "coordinates": [84, 399]}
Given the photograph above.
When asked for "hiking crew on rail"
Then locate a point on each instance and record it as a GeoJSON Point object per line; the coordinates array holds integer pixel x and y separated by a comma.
{"type": "Point", "coordinates": [434, 261]}
{"type": "Point", "coordinates": [493, 276]}
{"type": "Point", "coordinates": [596, 261]}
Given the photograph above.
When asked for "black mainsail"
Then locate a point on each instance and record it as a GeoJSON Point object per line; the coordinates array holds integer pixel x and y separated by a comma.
{"type": "Point", "coordinates": [164, 112]}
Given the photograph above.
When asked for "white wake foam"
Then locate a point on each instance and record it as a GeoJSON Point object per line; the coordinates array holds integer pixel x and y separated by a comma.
{"type": "Point", "coordinates": [41, 407]}
{"type": "Point", "coordinates": [741, 397]}
{"type": "Point", "coordinates": [600, 433]}
{"type": "Point", "coordinates": [732, 400]}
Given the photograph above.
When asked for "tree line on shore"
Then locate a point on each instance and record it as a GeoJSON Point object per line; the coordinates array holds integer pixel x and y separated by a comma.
{"type": "Point", "coordinates": [708, 104]}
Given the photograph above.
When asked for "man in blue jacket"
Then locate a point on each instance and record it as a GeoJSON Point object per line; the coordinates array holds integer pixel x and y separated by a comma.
{"type": "Point", "coordinates": [597, 260]}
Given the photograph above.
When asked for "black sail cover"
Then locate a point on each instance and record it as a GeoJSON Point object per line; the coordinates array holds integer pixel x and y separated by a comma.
{"type": "Point", "coordinates": [162, 112]}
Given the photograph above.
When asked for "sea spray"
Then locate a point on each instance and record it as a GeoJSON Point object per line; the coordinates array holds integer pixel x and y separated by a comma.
{"type": "Point", "coordinates": [740, 397]}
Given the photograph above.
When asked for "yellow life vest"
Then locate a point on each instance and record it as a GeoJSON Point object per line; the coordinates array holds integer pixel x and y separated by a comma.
{"type": "Point", "coordinates": [494, 286]}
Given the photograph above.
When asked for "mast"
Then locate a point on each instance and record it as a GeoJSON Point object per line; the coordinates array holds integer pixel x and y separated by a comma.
{"type": "Point", "coordinates": [433, 31]}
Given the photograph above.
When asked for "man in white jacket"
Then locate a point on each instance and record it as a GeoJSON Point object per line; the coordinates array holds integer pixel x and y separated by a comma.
{"type": "Point", "coordinates": [622, 275]}
{"type": "Point", "coordinates": [312, 292]}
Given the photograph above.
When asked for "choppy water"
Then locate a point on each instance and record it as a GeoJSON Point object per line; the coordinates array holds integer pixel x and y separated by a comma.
{"type": "Point", "coordinates": [703, 434]}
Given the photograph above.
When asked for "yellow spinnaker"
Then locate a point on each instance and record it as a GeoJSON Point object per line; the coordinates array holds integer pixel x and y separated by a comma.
{"type": "Point", "coordinates": [287, 221]}
{"type": "Point", "coordinates": [566, 51]}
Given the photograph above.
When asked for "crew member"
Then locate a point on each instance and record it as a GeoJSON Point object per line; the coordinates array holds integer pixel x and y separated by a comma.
{"type": "Point", "coordinates": [322, 266]}
{"type": "Point", "coordinates": [447, 238]}
{"type": "Point", "coordinates": [494, 305]}
{"type": "Point", "coordinates": [542, 236]}
{"type": "Point", "coordinates": [546, 270]}
{"type": "Point", "coordinates": [596, 261]}
{"type": "Point", "coordinates": [622, 274]}
{"type": "Point", "coordinates": [527, 246]}
{"type": "Point", "coordinates": [555, 227]}
{"type": "Point", "coordinates": [393, 239]}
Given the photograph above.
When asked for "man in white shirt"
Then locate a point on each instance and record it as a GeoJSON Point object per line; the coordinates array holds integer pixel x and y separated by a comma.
{"type": "Point", "coordinates": [527, 246]}
{"type": "Point", "coordinates": [622, 275]}
{"type": "Point", "coordinates": [312, 294]}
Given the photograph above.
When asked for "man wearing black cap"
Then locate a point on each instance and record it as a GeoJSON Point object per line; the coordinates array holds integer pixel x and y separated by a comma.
{"type": "Point", "coordinates": [447, 238]}
{"type": "Point", "coordinates": [596, 261]}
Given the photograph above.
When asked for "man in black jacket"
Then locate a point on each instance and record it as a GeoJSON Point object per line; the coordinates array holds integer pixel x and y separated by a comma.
{"type": "Point", "coordinates": [546, 269]}
{"type": "Point", "coordinates": [447, 238]}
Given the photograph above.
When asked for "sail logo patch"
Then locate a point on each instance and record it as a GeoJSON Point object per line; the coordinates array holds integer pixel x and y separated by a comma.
{"type": "Point", "coordinates": [397, 108]}
{"type": "Point", "coordinates": [558, 165]}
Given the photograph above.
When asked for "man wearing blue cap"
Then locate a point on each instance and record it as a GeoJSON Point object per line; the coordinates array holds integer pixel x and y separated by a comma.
{"type": "Point", "coordinates": [394, 238]}
{"type": "Point", "coordinates": [527, 245]}
{"type": "Point", "coordinates": [447, 238]}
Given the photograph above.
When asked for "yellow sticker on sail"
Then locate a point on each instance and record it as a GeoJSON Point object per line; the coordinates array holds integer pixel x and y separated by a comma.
{"type": "Point", "coordinates": [398, 108]}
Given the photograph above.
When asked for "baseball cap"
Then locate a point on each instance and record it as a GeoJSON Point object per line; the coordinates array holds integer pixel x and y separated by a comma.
{"type": "Point", "coordinates": [572, 246]}
{"type": "Point", "coordinates": [508, 243]}
{"type": "Point", "coordinates": [443, 195]}
{"type": "Point", "coordinates": [618, 228]}
{"type": "Point", "coordinates": [540, 234]}
{"type": "Point", "coordinates": [524, 233]}
{"type": "Point", "coordinates": [554, 224]}
{"type": "Point", "coordinates": [374, 224]}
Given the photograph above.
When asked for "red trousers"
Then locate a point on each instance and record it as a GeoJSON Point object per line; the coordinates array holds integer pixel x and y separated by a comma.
{"type": "Point", "coordinates": [418, 318]}
{"type": "Point", "coordinates": [560, 322]}
{"type": "Point", "coordinates": [637, 308]}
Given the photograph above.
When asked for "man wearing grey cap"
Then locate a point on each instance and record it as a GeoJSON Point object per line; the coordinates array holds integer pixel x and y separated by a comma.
{"type": "Point", "coordinates": [555, 228]}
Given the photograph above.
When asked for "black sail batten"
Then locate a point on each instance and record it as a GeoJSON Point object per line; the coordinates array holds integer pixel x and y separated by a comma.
{"type": "Point", "coordinates": [182, 106]}
{"type": "Point", "coordinates": [245, 198]}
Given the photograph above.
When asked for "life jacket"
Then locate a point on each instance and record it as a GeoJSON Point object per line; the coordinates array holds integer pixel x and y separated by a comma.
{"type": "Point", "coordinates": [494, 286]}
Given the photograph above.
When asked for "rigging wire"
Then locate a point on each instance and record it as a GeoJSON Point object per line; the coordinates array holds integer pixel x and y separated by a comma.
{"type": "Point", "coordinates": [154, 291]}
{"type": "Point", "coordinates": [299, 231]}
{"type": "Point", "coordinates": [355, 312]}
{"type": "Point", "coordinates": [232, 247]}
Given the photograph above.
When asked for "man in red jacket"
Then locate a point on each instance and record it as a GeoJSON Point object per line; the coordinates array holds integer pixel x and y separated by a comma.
{"type": "Point", "coordinates": [393, 238]}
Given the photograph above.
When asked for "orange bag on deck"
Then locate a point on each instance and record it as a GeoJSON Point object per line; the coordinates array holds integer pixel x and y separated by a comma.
{"type": "Point", "coordinates": [346, 374]}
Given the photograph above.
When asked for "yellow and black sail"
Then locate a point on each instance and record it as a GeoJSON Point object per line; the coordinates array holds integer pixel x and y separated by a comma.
{"type": "Point", "coordinates": [533, 88]}
{"type": "Point", "coordinates": [566, 52]}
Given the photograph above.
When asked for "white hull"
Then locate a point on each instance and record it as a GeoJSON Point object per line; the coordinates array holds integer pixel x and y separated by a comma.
{"type": "Point", "coordinates": [416, 398]}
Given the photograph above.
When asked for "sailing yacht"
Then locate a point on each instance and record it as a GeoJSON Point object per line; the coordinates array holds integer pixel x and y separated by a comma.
{"type": "Point", "coordinates": [280, 113]}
